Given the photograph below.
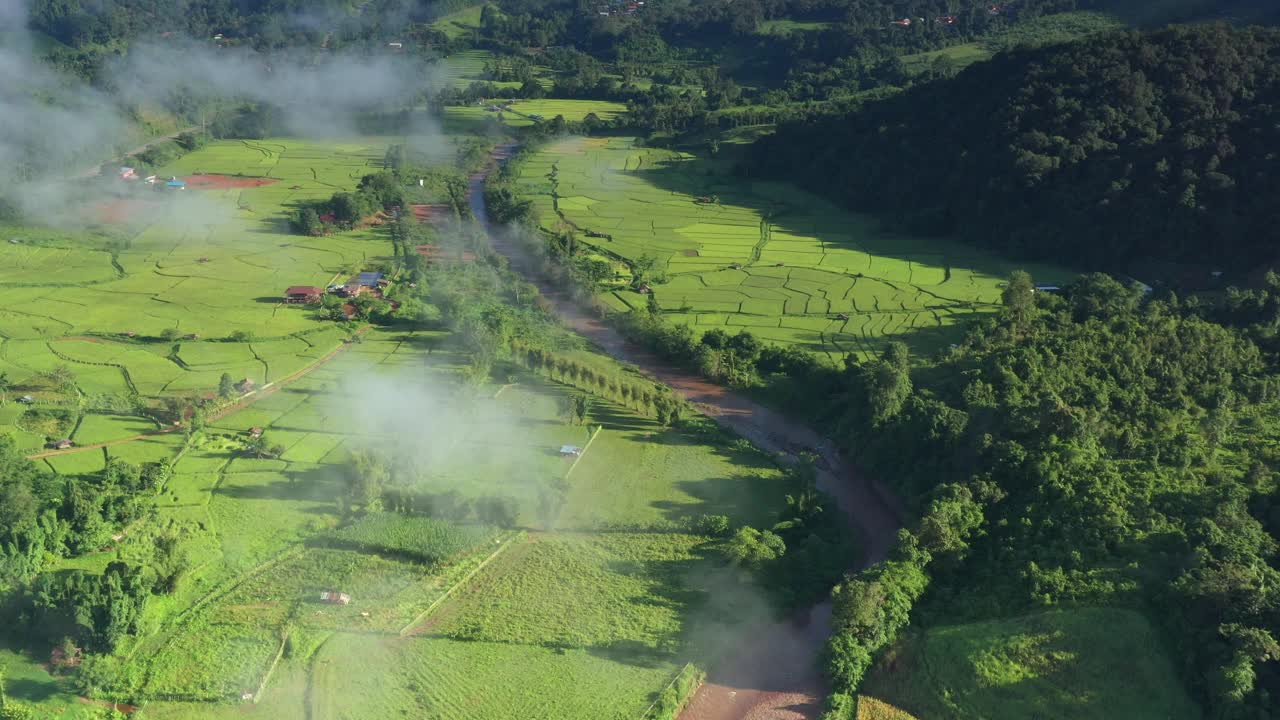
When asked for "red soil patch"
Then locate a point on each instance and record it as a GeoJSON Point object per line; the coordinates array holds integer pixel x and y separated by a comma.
{"type": "Point", "coordinates": [223, 182]}
{"type": "Point", "coordinates": [118, 707]}
{"type": "Point", "coordinates": [430, 213]}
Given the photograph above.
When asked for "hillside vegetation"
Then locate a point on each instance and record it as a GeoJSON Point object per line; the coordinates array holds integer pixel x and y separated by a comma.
{"type": "Point", "coordinates": [1099, 154]}
{"type": "Point", "coordinates": [1062, 664]}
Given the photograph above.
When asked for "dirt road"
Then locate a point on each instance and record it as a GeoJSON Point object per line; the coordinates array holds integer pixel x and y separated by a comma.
{"type": "Point", "coordinates": [773, 675]}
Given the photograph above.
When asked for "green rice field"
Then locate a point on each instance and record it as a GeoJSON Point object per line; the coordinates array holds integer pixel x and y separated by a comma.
{"type": "Point", "coordinates": [755, 256]}
{"type": "Point", "coordinates": [261, 532]}
{"type": "Point", "coordinates": [194, 266]}
{"type": "Point", "coordinates": [467, 66]}
{"type": "Point", "coordinates": [523, 113]}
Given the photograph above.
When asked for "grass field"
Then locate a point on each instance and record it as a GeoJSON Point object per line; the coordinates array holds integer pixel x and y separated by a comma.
{"type": "Point", "coordinates": [597, 620]}
{"type": "Point", "coordinates": [1055, 28]}
{"type": "Point", "coordinates": [766, 258]}
{"type": "Point", "coordinates": [204, 263]}
{"type": "Point", "coordinates": [786, 27]}
{"type": "Point", "coordinates": [523, 113]}
{"type": "Point", "coordinates": [463, 68]}
{"type": "Point", "coordinates": [1059, 665]}
{"type": "Point", "coordinates": [461, 23]}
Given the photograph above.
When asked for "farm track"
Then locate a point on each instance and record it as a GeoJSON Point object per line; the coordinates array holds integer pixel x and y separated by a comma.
{"type": "Point", "coordinates": [217, 415]}
{"type": "Point", "coordinates": [772, 673]}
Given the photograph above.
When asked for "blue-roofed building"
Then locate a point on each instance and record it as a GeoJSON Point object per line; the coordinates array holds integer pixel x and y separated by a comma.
{"type": "Point", "coordinates": [176, 184]}
{"type": "Point", "coordinates": [368, 279]}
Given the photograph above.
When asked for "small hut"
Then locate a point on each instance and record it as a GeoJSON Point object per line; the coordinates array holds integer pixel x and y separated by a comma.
{"type": "Point", "coordinates": [332, 597]}
{"type": "Point", "coordinates": [255, 432]}
{"type": "Point", "coordinates": [246, 385]}
{"type": "Point", "coordinates": [567, 451]}
{"type": "Point", "coordinates": [63, 444]}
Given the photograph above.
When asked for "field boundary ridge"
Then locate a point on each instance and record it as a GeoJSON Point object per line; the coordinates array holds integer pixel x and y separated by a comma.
{"type": "Point", "coordinates": [422, 616]}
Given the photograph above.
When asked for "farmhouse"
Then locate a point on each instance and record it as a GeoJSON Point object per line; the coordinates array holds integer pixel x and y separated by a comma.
{"type": "Point", "coordinates": [368, 279]}
{"type": "Point", "coordinates": [303, 295]}
{"type": "Point", "coordinates": [63, 444]}
{"type": "Point", "coordinates": [255, 432]}
{"type": "Point", "coordinates": [333, 597]}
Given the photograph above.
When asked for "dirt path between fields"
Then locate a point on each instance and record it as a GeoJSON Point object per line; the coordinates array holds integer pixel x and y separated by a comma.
{"type": "Point", "coordinates": [772, 674]}
{"type": "Point", "coordinates": [246, 401]}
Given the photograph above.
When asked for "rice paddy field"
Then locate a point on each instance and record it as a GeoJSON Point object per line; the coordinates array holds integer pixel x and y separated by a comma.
{"type": "Point", "coordinates": [467, 66]}
{"type": "Point", "coordinates": [783, 264]}
{"type": "Point", "coordinates": [598, 603]}
{"type": "Point", "coordinates": [598, 620]}
{"type": "Point", "coordinates": [195, 266]}
{"type": "Point", "coordinates": [523, 113]}
{"type": "Point", "coordinates": [422, 646]}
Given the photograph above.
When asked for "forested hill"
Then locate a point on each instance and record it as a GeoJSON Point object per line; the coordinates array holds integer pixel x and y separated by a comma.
{"type": "Point", "coordinates": [1098, 153]}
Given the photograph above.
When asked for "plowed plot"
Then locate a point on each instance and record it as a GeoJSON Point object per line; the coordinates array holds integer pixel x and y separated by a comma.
{"type": "Point", "coordinates": [430, 213]}
{"type": "Point", "coordinates": [225, 182]}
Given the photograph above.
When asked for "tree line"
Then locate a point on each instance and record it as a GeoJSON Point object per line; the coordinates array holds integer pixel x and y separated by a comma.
{"type": "Point", "coordinates": [1099, 447]}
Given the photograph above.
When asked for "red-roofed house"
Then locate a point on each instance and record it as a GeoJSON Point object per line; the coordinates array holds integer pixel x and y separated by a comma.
{"type": "Point", "coordinates": [303, 295]}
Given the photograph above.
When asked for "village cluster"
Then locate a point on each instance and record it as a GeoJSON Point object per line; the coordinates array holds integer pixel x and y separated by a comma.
{"type": "Point", "coordinates": [173, 183]}
{"type": "Point", "coordinates": [620, 7]}
{"type": "Point", "coordinates": [370, 283]}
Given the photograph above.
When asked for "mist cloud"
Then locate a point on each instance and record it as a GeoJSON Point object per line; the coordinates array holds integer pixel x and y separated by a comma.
{"type": "Point", "coordinates": [53, 126]}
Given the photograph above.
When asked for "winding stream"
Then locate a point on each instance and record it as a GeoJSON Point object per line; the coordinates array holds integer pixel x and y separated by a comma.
{"type": "Point", "coordinates": [772, 673]}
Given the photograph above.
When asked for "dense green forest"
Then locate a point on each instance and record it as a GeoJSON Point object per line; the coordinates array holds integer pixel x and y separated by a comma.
{"type": "Point", "coordinates": [1100, 447]}
{"type": "Point", "coordinates": [1105, 445]}
{"type": "Point", "coordinates": [1099, 154]}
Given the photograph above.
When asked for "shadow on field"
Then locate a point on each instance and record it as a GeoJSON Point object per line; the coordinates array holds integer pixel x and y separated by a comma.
{"type": "Point", "coordinates": [32, 691]}
{"type": "Point", "coordinates": [632, 652]}
{"type": "Point", "coordinates": [312, 485]}
{"type": "Point", "coordinates": [741, 497]}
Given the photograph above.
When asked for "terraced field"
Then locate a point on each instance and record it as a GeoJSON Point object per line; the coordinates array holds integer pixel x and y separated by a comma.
{"type": "Point", "coordinates": [778, 262]}
{"type": "Point", "coordinates": [465, 67]}
{"type": "Point", "coordinates": [144, 305]}
{"type": "Point", "coordinates": [522, 113]}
